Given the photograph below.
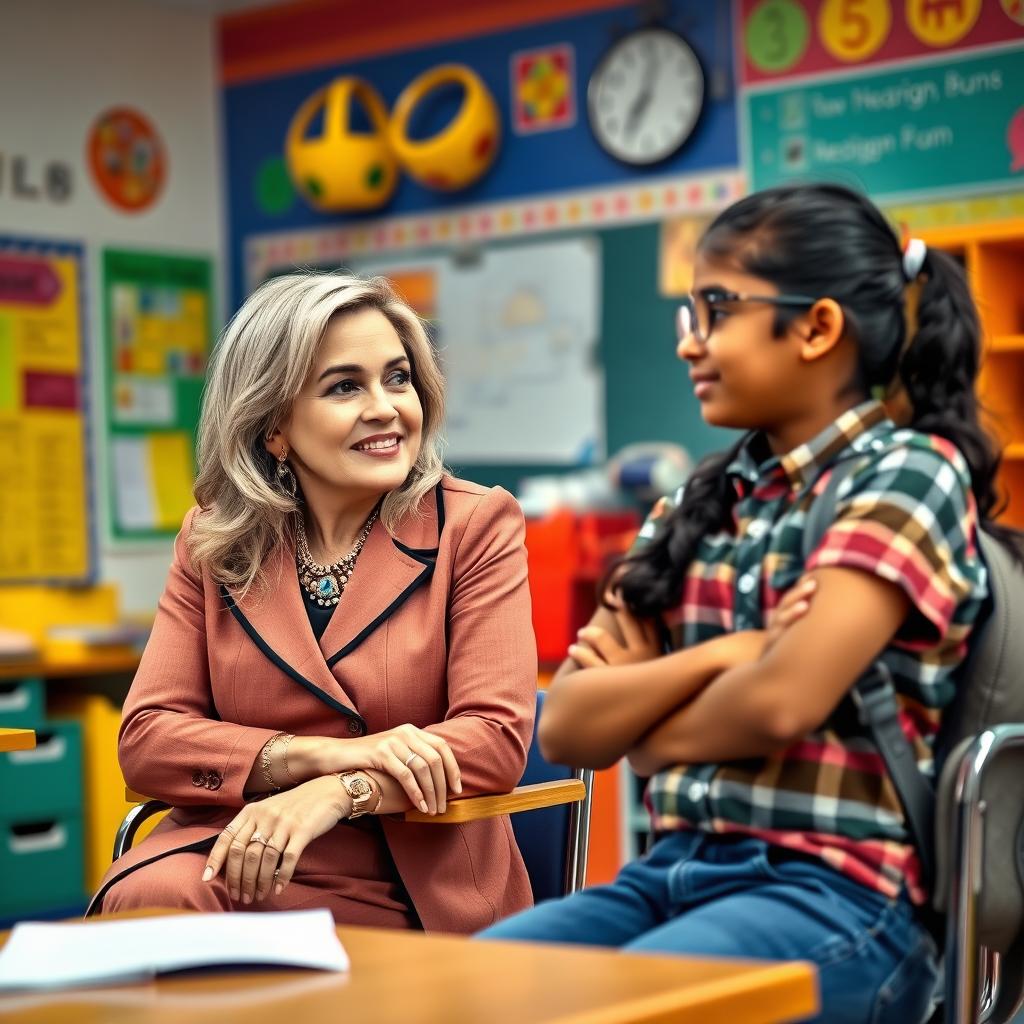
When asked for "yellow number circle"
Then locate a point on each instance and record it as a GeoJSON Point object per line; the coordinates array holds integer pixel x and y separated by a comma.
{"type": "Point", "coordinates": [853, 30]}
{"type": "Point", "coordinates": [942, 22]}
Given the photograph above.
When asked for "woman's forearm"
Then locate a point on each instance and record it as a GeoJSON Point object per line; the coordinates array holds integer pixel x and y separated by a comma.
{"type": "Point", "coordinates": [594, 716]}
{"type": "Point", "coordinates": [298, 760]}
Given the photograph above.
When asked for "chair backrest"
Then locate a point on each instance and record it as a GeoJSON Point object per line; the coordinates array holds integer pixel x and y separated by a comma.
{"type": "Point", "coordinates": [990, 692]}
{"type": "Point", "coordinates": [543, 835]}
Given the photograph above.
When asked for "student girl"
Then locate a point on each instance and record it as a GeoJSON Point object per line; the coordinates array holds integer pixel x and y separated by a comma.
{"type": "Point", "coordinates": [777, 832]}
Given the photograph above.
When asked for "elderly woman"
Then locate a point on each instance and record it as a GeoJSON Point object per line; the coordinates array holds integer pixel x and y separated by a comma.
{"type": "Point", "coordinates": [345, 634]}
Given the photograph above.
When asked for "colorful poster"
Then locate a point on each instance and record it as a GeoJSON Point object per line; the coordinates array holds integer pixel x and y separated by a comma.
{"type": "Point", "coordinates": [45, 506]}
{"type": "Point", "coordinates": [159, 315]}
{"type": "Point", "coordinates": [905, 100]}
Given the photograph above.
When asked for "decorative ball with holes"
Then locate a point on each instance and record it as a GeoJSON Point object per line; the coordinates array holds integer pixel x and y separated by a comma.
{"type": "Point", "coordinates": [460, 152]}
{"type": "Point", "coordinates": [335, 164]}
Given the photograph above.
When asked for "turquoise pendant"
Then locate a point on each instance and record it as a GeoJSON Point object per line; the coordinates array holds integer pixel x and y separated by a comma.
{"type": "Point", "coordinates": [326, 588]}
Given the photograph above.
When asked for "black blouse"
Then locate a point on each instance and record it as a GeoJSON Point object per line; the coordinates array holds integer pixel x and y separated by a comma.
{"type": "Point", "coordinates": [319, 615]}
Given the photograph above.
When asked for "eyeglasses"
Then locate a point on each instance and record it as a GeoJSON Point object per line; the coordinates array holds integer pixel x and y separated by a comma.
{"type": "Point", "coordinates": [698, 313]}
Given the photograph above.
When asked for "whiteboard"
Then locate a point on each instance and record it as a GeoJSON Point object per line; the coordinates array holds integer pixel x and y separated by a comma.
{"type": "Point", "coordinates": [517, 330]}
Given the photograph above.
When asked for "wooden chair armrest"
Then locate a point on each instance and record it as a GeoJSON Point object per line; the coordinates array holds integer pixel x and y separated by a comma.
{"type": "Point", "coordinates": [523, 798]}
{"type": "Point", "coordinates": [475, 808]}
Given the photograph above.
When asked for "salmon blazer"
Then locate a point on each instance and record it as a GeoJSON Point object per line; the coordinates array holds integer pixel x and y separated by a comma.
{"type": "Point", "coordinates": [434, 628]}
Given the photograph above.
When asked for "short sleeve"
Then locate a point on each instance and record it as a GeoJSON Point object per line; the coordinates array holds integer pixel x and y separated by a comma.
{"type": "Point", "coordinates": [907, 515]}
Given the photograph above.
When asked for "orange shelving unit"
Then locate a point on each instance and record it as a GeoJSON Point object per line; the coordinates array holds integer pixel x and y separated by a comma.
{"type": "Point", "coordinates": [993, 256]}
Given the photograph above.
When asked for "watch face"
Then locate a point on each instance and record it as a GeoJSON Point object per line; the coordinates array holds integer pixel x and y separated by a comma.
{"type": "Point", "coordinates": [645, 96]}
{"type": "Point", "coordinates": [358, 787]}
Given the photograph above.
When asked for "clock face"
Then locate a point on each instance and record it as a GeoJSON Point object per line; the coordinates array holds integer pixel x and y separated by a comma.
{"type": "Point", "coordinates": [645, 95]}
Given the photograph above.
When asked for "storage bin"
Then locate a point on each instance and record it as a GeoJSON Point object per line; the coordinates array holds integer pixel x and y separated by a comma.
{"type": "Point", "coordinates": [44, 782]}
{"type": "Point", "coordinates": [568, 553]}
{"type": "Point", "coordinates": [22, 703]}
{"type": "Point", "coordinates": [41, 864]}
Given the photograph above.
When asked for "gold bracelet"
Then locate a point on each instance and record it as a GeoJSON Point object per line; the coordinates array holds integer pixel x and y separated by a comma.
{"type": "Point", "coordinates": [265, 767]}
{"type": "Point", "coordinates": [288, 737]}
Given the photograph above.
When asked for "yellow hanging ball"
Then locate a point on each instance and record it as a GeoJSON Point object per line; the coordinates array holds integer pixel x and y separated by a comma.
{"type": "Point", "coordinates": [341, 169]}
{"type": "Point", "coordinates": [461, 152]}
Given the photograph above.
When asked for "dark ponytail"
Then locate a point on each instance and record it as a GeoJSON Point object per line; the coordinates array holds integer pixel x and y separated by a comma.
{"type": "Point", "coordinates": [938, 372]}
{"type": "Point", "coordinates": [829, 241]}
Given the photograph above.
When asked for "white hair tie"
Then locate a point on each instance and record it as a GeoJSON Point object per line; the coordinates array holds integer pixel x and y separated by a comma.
{"type": "Point", "coordinates": [914, 253]}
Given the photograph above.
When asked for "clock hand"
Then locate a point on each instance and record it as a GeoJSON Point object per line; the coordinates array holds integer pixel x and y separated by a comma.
{"type": "Point", "coordinates": [639, 106]}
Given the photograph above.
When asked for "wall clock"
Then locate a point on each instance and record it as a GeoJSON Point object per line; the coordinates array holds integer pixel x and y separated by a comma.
{"type": "Point", "coordinates": [645, 96]}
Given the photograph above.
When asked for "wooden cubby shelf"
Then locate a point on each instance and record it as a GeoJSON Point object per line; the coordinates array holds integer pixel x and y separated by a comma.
{"type": "Point", "coordinates": [993, 256]}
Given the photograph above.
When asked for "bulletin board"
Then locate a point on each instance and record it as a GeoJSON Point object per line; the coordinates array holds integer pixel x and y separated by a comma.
{"type": "Point", "coordinates": [158, 314]}
{"type": "Point", "coordinates": [46, 511]}
{"type": "Point", "coordinates": [903, 100]}
{"type": "Point", "coordinates": [563, 160]}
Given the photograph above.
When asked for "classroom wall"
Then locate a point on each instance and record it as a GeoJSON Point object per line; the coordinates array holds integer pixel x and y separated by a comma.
{"type": "Point", "coordinates": [62, 63]}
{"type": "Point", "coordinates": [645, 392]}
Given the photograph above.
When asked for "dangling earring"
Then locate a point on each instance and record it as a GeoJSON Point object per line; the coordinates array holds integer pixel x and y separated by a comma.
{"type": "Point", "coordinates": [285, 477]}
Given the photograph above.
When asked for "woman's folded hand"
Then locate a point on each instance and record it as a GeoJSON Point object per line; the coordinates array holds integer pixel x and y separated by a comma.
{"type": "Point", "coordinates": [422, 763]}
{"type": "Point", "coordinates": [259, 848]}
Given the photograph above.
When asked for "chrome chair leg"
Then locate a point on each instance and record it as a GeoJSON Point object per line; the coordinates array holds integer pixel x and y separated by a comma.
{"type": "Point", "coordinates": [133, 821]}
{"type": "Point", "coordinates": [579, 835]}
{"type": "Point", "coordinates": [989, 978]}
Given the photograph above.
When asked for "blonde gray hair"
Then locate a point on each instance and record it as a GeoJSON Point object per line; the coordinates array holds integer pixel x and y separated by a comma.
{"type": "Point", "coordinates": [260, 364]}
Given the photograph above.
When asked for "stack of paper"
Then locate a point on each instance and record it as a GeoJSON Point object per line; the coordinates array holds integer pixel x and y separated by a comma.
{"type": "Point", "coordinates": [50, 956]}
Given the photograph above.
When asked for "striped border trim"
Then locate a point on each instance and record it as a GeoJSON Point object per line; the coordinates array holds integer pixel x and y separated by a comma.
{"type": "Point", "coordinates": [651, 200]}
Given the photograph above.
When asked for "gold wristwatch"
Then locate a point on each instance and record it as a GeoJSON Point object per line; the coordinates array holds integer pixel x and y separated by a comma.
{"type": "Point", "coordinates": [360, 789]}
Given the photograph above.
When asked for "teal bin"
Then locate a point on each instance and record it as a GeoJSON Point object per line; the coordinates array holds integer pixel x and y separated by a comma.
{"type": "Point", "coordinates": [22, 703]}
{"type": "Point", "coordinates": [47, 781]}
{"type": "Point", "coordinates": [42, 864]}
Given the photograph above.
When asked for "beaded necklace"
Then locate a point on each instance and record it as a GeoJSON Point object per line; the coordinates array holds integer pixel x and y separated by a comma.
{"type": "Point", "coordinates": [326, 583]}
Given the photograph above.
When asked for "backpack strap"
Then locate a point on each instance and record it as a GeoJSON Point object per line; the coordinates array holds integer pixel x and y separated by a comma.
{"type": "Point", "coordinates": [874, 697]}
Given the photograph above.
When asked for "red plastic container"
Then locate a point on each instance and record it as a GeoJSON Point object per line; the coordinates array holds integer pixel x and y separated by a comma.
{"type": "Point", "coordinates": [568, 554]}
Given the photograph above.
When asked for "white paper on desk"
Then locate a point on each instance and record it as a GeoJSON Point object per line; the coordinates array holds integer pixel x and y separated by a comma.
{"type": "Point", "coordinates": [52, 956]}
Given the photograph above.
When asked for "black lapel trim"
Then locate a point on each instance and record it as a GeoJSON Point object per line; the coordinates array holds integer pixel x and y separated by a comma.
{"type": "Point", "coordinates": [404, 596]}
{"type": "Point", "coordinates": [200, 844]}
{"type": "Point", "coordinates": [439, 498]}
{"type": "Point", "coordinates": [427, 557]}
{"type": "Point", "coordinates": [283, 665]}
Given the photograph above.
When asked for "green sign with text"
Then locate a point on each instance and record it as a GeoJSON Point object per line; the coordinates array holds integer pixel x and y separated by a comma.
{"type": "Point", "coordinates": [954, 125]}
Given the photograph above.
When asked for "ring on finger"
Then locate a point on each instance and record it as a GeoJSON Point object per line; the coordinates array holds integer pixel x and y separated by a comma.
{"type": "Point", "coordinates": [410, 758]}
{"type": "Point", "coordinates": [257, 837]}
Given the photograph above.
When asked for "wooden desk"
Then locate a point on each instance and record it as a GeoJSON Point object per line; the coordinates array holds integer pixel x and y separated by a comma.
{"type": "Point", "coordinates": [411, 978]}
{"type": "Point", "coordinates": [16, 739]}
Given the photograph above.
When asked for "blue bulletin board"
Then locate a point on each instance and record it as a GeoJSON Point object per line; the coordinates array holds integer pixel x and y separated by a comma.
{"type": "Point", "coordinates": [257, 115]}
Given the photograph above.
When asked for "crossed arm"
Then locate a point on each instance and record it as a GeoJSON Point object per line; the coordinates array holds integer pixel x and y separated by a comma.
{"type": "Point", "coordinates": [736, 696]}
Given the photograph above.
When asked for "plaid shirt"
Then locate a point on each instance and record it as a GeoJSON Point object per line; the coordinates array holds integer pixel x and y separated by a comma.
{"type": "Point", "coordinates": [905, 514]}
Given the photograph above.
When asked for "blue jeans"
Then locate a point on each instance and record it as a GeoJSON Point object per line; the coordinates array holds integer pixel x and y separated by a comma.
{"type": "Point", "coordinates": [710, 895]}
